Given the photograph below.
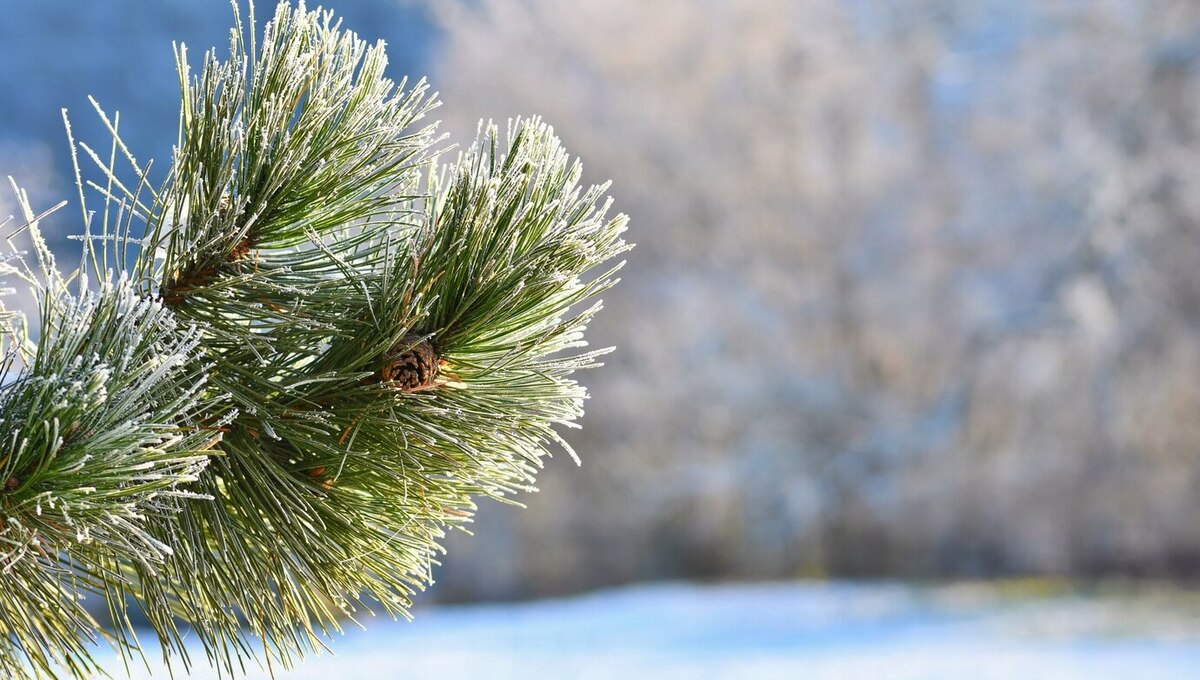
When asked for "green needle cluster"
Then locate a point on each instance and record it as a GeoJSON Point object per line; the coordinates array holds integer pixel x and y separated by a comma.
{"type": "Point", "coordinates": [282, 373]}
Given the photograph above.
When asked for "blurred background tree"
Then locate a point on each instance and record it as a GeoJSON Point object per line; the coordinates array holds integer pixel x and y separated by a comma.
{"type": "Point", "coordinates": [918, 284]}
{"type": "Point", "coordinates": [917, 292]}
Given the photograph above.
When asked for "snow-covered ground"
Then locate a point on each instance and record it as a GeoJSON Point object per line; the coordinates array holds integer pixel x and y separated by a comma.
{"type": "Point", "coordinates": [805, 630]}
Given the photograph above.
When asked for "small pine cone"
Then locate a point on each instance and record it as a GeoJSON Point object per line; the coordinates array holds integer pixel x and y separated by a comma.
{"type": "Point", "coordinates": [412, 364]}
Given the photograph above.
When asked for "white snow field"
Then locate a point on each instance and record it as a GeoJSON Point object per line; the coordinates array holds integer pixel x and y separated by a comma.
{"type": "Point", "coordinates": [805, 630]}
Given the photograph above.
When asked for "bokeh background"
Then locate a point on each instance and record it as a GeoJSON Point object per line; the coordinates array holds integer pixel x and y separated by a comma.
{"type": "Point", "coordinates": [917, 290]}
{"type": "Point", "coordinates": [917, 287]}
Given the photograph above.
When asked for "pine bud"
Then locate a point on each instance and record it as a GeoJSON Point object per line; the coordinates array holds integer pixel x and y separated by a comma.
{"type": "Point", "coordinates": [412, 364]}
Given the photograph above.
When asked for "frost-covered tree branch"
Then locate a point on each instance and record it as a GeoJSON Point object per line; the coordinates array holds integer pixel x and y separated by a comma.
{"type": "Point", "coordinates": [261, 413]}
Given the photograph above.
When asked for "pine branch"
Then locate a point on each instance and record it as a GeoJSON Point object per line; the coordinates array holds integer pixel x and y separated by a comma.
{"type": "Point", "coordinates": [98, 446]}
{"type": "Point", "coordinates": [326, 349]}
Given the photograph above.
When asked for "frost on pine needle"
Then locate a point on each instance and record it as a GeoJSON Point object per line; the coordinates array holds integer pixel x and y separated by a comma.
{"type": "Point", "coordinates": [282, 374]}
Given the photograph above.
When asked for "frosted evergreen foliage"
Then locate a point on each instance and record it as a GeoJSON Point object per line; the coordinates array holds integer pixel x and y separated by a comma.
{"type": "Point", "coordinates": [255, 420]}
